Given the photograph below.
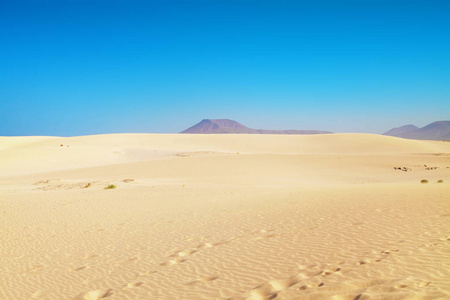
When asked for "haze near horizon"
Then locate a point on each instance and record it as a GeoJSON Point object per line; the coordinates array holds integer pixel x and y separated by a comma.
{"type": "Point", "coordinates": [89, 67]}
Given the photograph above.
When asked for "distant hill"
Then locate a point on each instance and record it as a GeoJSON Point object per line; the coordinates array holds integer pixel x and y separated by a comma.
{"type": "Point", "coordinates": [208, 126]}
{"type": "Point", "coordinates": [399, 131]}
{"type": "Point", "coordinates": [439, 130]}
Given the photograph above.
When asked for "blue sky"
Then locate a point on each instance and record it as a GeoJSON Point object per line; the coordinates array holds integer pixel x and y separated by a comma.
{"type": "Point", "coordinates": [75, 67]}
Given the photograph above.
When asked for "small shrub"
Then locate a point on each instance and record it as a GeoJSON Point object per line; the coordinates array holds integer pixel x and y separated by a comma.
{"type": "Point", "coordinates": [111, 186]}
{"type": "Point", "coordinates": [424, 181]}
{"type": "Point", "coordinates": [440, 181]}
{"type": "Point", "coordinates": [87, 185]}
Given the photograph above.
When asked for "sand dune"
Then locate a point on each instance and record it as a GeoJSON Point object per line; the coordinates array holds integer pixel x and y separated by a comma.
{"type": "Point", "coordinates": [224, 217]}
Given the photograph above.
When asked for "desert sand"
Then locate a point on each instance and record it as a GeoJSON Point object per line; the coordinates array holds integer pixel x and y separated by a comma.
{"type": "Point", "coordinates": [224, 217]}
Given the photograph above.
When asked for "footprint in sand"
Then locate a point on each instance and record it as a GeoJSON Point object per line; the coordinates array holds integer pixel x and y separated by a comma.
{"type": "Point", "coordinates": [329, 272]}
{"type": "Point", "coordinates": [202, 280]}
{"type": "Point", "coordinates": [132, 285]}
{"type": "Point", "coordinates": [270, 289]}
{"type": "Point", "coordinates": [79, 268]}
{"type": "Point", "coordinates": [306, 286]}
{"type": "Point", "coordinates": [389, 251]}
{"type": "Point", "coordinates": [206, 245]}
{"type": "Point", "coordinates": [94, 295]}
{"type": "Point", "coordinates": [184, 253]}
{"type": "Point", "coordinates": [41, 294]}
{"type": "Point", "coordinates": [423, 283]}
{"type": "Point", "coordinates": [178, 257]}
{"type": "Point", "coordinates": [368, 261]}
{"type": "Point", "coordinates": [123, 261]}
{"type": "Point", "coordinates": [266, 230]}
{"type": "Point", "coordinates": [267, 236]}
{"type": "Point", "coordinates": [210, 245]}
{"type": "Point", "coordinates": [443, 239]}
{"type": "Point", "coordinates": [180, 254]}
{"type": "Point", "coordinates": [172, 262]}
{"type": "Point", "coordinates": [146, 273]}
{"type": "Point", "coordinates": [36, 268]}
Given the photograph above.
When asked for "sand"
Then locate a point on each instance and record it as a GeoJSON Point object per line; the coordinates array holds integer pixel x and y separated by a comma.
{"type": "Point", "coordinates": [224, 217]}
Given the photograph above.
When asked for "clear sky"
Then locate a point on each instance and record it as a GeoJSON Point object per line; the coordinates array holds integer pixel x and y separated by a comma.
{"type": "Point", "coordinates": [76, 67]}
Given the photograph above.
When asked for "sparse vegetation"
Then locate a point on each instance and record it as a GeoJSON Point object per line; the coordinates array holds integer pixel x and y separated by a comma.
{"type": "Point", "coordinates": [110, 187]}
{"type": "Point", "coordinates": [424, 181]}
{"type": "Point", "coordinates": [440, 181]}
{"type": "Point", "coordinates": [87, 185]}
{"type": "Point", "coordinates": [404, 169]}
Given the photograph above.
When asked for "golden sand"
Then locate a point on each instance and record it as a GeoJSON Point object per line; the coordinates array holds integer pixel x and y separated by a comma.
{"type": "Point", "coordinates": [224, 217]}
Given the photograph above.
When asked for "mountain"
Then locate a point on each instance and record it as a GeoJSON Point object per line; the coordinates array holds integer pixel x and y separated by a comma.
{"type": "Point", "coordinates": [399, 131]}
{"type": "Point", "coordinates": [439, 130]}
{"type": "Point", "coordinates": [230, 126]}
{"type": "Point", "coordinates": [219, 126]}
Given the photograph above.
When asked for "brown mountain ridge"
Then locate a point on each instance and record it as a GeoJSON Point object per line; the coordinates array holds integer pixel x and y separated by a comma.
{"type": "Point", "coordinates": [439, 130]}
{"type": "Point", "coordinates": [214, 126]}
